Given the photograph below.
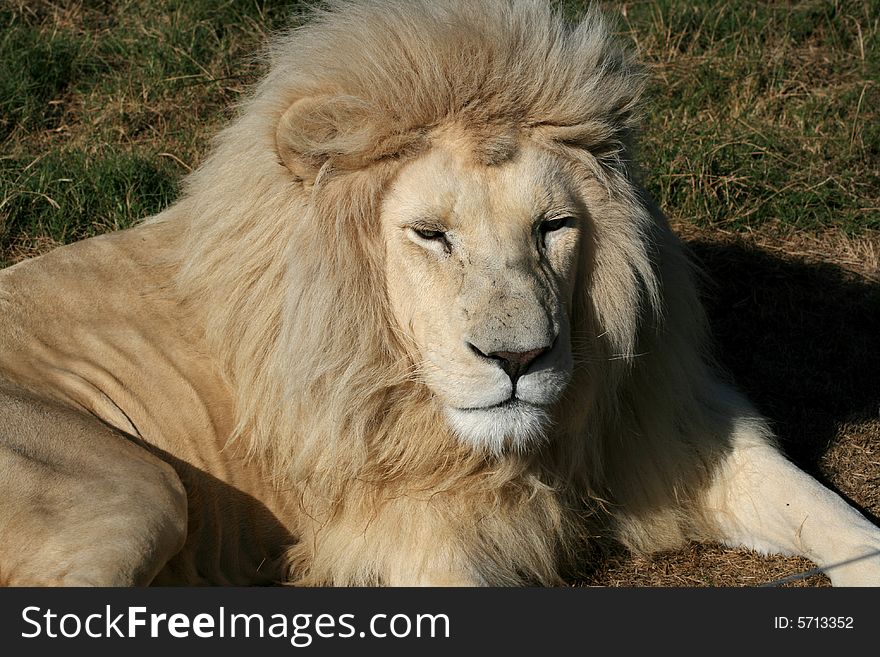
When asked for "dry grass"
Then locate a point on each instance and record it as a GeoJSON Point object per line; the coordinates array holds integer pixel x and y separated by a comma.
{"type": "Point", "coordinates": [701, 566]}
{"type": "Point", "coordinates": [26, 246]}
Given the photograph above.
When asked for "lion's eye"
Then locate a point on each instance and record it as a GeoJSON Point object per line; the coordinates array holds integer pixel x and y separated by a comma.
{"type": "Point", "coordinates": [551, 225]}
{"type": "Point", "coordinates": [429, 234]}
{"type": "Point", "coordinates": [428, 237]}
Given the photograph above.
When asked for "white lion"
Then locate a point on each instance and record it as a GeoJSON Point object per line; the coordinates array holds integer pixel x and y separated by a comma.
{"type": "Point", "coordinates": [413, 322]}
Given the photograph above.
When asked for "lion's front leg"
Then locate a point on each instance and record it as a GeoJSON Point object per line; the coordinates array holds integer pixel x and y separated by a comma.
{"type": "Point", "coordinates": [80, 505]}
{"type": "Point", "coordinates": [761, 500]}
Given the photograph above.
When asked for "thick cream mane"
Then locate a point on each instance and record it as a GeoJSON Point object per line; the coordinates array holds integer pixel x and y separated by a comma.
{"type": "Point", "coordinates": [288, 274]}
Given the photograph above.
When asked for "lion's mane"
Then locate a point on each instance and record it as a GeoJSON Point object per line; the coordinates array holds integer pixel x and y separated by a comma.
{"type": "Point", "coordinates": [288, 280]}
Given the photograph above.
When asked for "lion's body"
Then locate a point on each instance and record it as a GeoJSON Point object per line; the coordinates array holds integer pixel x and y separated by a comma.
{"type": "Point", "coordinates": [412, 322]}
{"type": "Point", "coordinates": [126, 357]}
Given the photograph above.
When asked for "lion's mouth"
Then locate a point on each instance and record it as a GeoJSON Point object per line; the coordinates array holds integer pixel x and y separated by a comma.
{"type": "Point", "coordinates": [510, 402]}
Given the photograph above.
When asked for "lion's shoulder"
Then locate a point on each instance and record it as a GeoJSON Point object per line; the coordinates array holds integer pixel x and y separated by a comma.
{"type": "Point", "coordinates": [93, 325]}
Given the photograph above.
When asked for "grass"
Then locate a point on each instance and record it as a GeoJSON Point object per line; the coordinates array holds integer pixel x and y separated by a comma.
{"type": "Point", "coordinates": [759, 113]}
{"type": "Point", "coordinates": [104, 106]}
{"type": "Point", "coordinates": [761, 141]}
{"type": "Point", "coordinates": [763, 112]}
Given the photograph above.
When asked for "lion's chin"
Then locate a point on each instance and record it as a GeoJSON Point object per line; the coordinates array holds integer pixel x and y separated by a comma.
{"type": "Point", "coordinates": [514, 425]}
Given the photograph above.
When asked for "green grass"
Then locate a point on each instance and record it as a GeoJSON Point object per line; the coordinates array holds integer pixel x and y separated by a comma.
{"type": "Point", "coordinates": [77, 194]}
{"type": "Point", "coordinates": [105, 106]}
{"type": "Point", "coordinates": [762, 112]}
{"type": "Point", "coordinates": [759, 114]}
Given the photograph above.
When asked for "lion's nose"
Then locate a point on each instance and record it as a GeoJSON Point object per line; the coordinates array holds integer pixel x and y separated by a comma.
{"type": "Point", "coordinates": [514, 363]}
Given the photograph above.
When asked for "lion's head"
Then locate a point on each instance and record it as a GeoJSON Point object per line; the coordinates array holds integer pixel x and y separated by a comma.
{"type": "Point", "coordinates": [436, 231]}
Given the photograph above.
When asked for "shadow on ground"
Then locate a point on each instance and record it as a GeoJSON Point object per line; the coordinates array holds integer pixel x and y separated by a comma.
{"type": "Point", "coordinates": [800, 338]}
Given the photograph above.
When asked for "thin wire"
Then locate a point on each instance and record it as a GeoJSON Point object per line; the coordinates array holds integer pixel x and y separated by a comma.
{"type": "Point", "coordinates": [817, 571]}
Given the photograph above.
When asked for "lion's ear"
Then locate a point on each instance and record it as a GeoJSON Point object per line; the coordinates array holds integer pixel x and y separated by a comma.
{"type": "Point", "coordinates": [317, 129]}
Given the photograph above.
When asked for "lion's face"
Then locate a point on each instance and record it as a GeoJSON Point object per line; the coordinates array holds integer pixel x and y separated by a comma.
{"type": "Point", "coordinates": [481, 262]}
